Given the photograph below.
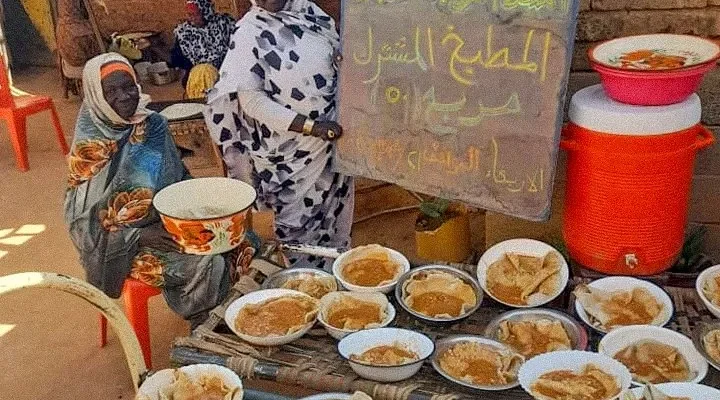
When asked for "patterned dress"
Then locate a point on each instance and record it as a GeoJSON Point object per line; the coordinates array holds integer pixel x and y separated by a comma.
{"type": "Point", "coordinates": [114, 174]}
{"type": "Point", "coordinates": [280, 65]}
{"type": "Point", "coordinates": [207, 44]}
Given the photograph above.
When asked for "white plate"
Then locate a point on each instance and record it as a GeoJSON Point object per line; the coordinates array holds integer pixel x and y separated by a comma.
{"type": "Point", "coordinates": [621, 338]}
{"type": "Point", "coordinates": [696, 50]}
{"type": "Point", "coordinates": [700, 282]}
{"type": "Point", "coordinates": [521, 246]}
{"type": "Point", "coordinates": [339, 262]}
{"type": "Point", "coordinates": [574, 361]}
{"type": "Point", "coordinates": [258, 297]}
{"type": "Point", "coordinates": [182, 110]}
{"type": "Point", "coordinates": [614, 283]}
{"type": "Point", "coordinates": [163, 378]}
{"type": "Point", "coordinates": [359, 342]}
{"type": "Point", "coordinates": [444, 344]}
{"type": "Point", "coordinates": [694, 391]}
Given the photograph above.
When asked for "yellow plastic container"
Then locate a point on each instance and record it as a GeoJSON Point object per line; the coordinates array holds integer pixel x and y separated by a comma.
{"type": "Point", "coordinates": [450, 242]}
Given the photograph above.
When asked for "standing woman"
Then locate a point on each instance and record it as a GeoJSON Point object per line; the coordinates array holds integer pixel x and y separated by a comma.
{"type": "Point", "coordinates": [201, 43]}
{"type": "Point", "coordinates": [121, 156]}
{"type": "Point", "coordinates": [274, 110]}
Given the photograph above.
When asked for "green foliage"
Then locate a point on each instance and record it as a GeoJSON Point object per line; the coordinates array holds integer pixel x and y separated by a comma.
{"type": "Point", "coordinates": [434, 208]}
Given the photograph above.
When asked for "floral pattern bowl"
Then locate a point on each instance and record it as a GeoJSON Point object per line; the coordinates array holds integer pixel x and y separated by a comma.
{"type": "Point", "coordinates": [658, 52]}
{"type": "Point", "coordinates": [206, 215]}
{"type": "Point", "coordinates": [653, 70]}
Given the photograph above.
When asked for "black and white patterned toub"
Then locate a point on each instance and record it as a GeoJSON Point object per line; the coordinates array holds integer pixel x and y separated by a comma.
{"type": "Point", "coordinates": [209, 43]}
{"type": "Point", "coordinates": [288, 58]}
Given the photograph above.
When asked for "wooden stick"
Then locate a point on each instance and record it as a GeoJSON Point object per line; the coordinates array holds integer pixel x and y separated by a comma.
{"type": "Point", "coordinates": [93, 23]}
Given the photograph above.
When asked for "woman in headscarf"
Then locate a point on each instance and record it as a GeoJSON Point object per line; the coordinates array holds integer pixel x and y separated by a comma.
{"type": "Point", "coordinates": [201, 43]}
{"type": "Point", "coordinates": [121, 156]}
{"type": "Point", "coordinates": [273, 112]}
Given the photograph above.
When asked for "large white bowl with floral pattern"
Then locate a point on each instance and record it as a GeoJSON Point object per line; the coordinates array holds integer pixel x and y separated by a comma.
{"type": "Point", "coordinates": [206, 215]}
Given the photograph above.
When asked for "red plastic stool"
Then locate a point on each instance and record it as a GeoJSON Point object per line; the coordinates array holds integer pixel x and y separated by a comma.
{"type": "Point", "coordinates": [135, 295]}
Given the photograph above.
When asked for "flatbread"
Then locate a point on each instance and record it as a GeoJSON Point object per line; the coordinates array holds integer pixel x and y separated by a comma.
{"type": "Point", "coordinates": [711, 341]}
{"type": "Point", "coordinates": [205, 387]}
{"type": "Point", "coordinates": [480, 364]}
{"type": "Point", "coordinates": [591, 383]}
{"type": "Point", "coordinates": [611, 309]}
{"type": "Point", "coordinates": [711, 289]}
{"type": "Point", "coordinates": [354, 311]}
{"type": "Point", "coordinates": [312, 285]}
{"type": "Point", "coordinates": [438, 294]}
{"type": "Point", "coordinates": [395, 354]}
{"type": "Point", "coordinates": [650, 361]}
{"type": "Point", "coordinates": [533, 337]}
{"type": "Point", "coordinates": [652, 393]}
{"type": "Point", "coordinates": [370, 266]}
{"type": "Point", "coordinates": [521, 280]}
{"type": "Point", "coordinates": [280, 316]}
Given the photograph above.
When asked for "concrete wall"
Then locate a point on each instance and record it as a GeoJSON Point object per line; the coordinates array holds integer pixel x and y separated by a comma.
{"type": "Point", "coordinates": [606, 19]}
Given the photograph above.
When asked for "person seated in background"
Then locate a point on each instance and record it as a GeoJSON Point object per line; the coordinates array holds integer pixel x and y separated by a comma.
{"type": "Point", "coordinates": [201, 43]}
{"type": "Point", "coordinates": [75, 39]}
{"type": "Point", "coordinates": [122, 155]}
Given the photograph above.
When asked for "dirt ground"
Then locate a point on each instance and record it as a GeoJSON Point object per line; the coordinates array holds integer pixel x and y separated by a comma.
{"type": "Point", "coordinates": [49, 340]}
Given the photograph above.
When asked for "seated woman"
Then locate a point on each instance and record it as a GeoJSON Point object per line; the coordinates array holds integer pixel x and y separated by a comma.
{"type": "Point", "coordinates": [200, 46]}
{"type": "Point", "coordinates": [121, 156]}
{"type": "Point", "coordinates": [281, 74]}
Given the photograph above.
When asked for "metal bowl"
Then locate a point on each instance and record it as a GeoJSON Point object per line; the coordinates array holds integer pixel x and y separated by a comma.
{"type": "Point", "coordinates": [577, 333]}
{"type": "Point", "coordinates": [278, 279]}
{"type": "Point", "coordinates": [699, 334]}
{"type": "Point", "coordinates": [444, 344]}
{"type": "Point", "coordinates": [399, 295]}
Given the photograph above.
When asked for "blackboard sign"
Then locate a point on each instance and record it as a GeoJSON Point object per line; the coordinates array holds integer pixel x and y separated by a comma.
{"type": "Point", "coordinates": [457, 98]}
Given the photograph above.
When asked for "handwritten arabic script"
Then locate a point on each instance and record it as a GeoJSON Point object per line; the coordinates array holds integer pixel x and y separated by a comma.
{"type": "Point", "coordinates": [460, 98]}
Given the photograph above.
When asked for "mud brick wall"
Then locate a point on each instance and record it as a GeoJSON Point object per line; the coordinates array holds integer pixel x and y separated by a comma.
{"type": "Point", "coordinates": [601, 20]}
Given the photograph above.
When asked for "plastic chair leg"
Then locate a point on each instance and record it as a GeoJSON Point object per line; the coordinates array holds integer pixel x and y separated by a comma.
{"type": "Point", "coordinates": [58, 130]}
{"type": "Point", "coordinates": [103, 331]}
{"type": "Point", "coordinates": [136, 311]}
{"type": "Point", "coordinates": [18, 137]}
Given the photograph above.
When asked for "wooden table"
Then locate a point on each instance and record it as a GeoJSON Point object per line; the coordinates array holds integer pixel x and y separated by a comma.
{"type": "Point", "coordinates": [313, 362]}
{"type": "Point", "coordinates": [192, 134]}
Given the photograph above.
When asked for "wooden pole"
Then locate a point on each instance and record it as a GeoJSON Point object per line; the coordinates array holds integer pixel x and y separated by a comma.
{"type": "Point", "coordinates": [93, 23]}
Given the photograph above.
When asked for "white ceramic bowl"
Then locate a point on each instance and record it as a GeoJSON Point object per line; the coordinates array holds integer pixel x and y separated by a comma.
{"type": "Point", "coordinates": [341, 333]}
{"type": "Point", "coordinates": [359, 342]}
{"type": "Point", "coordinates": [574, 361]}
{"type": "Point", "coordinates": [163, 378]}
{"type": "Point", "coordinates": [387, 288]}
{"type": "Point", "coordinates": [259, 297]}
{"type": "Point", "coordinates": [521, 246]}
{"type": "Point", "coordinates": [444, 344]}
{"type": "Point", "coordinates": [620, 338]}
{"type": "Point", "coordinates": [700, 282]}
{"type": "Point", "coordinates": [206, 215]}
{"type": "Point", "coordinates": [694, 391]}
{"type": "Point", "coordinates": [614, 283]}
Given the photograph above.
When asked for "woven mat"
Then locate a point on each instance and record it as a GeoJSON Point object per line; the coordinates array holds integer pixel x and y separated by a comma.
{"type": "Point", "coordinates": [313, 362]}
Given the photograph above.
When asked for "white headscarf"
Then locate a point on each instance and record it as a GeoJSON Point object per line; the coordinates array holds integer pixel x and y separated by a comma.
{"type": "Point", "coordinates": [100, 111]}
